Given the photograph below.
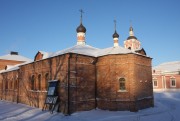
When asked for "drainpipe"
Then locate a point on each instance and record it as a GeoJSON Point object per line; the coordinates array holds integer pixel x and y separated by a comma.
{"type": "Point", "coordinates": [68, 90]}
{"type": "Point", "coordinates": [18, 78]}
{"type": "Point", "coordinates": [95, 61]}
{"type": "Point", "coordinates": [2, 86]}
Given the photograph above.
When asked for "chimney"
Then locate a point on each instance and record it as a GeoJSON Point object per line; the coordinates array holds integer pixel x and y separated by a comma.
{"type": "Point", "coordinates": [13, 53]}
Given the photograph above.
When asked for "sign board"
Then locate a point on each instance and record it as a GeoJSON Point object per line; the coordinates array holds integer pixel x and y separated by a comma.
{"type": "Point", "coordinates": [52, 96]}
{"type": "Point", "coordinates": [52, 87]}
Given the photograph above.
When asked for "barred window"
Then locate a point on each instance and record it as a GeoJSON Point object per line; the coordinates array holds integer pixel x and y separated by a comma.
{"type": "Point", "coordinates": [122, 84]}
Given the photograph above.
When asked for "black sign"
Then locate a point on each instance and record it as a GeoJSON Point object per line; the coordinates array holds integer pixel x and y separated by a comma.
{"type": "Point", "coordinates": [52, 87]}
{"type": "Point", "coordinates": [52, 96]}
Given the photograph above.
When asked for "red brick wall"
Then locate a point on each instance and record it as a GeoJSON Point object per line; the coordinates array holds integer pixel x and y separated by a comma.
{"type": "Point", "coordinates": [38, 56]}
{"type": "Point", "coordinates": [3, 63]}
{"type": "Point", "coordinates": [137, 72]}
{"type": "Point", "coordinates": [164, 81]}
{"type": "Point", "coordinates": [88, 79]}
{"type": "Point", "coordinates": [9, 86]}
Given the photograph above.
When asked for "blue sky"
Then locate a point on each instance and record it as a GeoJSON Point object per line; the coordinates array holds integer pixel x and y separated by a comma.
{"type": "Point", "coordinates": [28, 26]}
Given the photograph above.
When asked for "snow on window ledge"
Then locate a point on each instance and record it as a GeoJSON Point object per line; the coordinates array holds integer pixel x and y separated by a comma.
{"type": "Point", "coordinates": [122, 91]}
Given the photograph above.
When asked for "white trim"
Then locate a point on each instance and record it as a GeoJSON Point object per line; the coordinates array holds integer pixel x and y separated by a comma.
{"type": "Point", "coordinates": [81, 34]}
{"type": "Point", "coordinates": [156, 81]}
{"type": "Point", "coordinates": [172, 79]}
{"type": "Point", "coordinates": [81, 43]}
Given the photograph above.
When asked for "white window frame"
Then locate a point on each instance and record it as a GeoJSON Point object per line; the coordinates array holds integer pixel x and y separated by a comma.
{"type": "Point", "coordinates": [156, 82]}
{"type": "Point", "coordinates": [172, 79]}
{"type": "Point", "coordinates": [155, 79]}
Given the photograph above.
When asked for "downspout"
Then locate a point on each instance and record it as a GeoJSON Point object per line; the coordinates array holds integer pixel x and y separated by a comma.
{"type": "Point", "coordinates": [68, 90]}
{"type": "Point", "coordinates": [95, 83]}
{"type": "Point", "coordinates": [2, 86]}
{"type": "Point", "coordinates": [18, 78]}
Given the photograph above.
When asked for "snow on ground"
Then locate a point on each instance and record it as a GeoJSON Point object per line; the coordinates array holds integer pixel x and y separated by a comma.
{"type": "Point", "coordinates": [167, 108]}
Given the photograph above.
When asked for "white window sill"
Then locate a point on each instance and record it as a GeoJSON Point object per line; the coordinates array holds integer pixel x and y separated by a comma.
{"type": "Point", "coordinates": [122, 91]}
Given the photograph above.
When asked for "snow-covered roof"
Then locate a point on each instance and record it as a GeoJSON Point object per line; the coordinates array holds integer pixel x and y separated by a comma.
{"type": "Point", "coordinates": [89, 51]}
{"type": "Point", "coordinates": [79, 49]}
{"type": "Point", "coordinates": [13, 67]}
{"type": "Point", "coordinates": [114, 50]}
{"type": "Point", "coordinates": [15, 58]}
{"type": "Point", "coordinates": [46, 54]}
{"type": "Point", "coordinates": [168, 67]}
{"type": "Point", "coordinates": [10, 68]}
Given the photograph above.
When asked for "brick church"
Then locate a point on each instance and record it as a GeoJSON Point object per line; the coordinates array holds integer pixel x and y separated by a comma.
{"type": "Point", "coordinates": [114, 78]}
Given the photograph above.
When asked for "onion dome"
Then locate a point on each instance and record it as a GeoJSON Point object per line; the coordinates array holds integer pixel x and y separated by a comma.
{"type": "Point", "coordinates": [115, 35]}
{"type": "Point", "coordinates": [131, 29]}
{"type": "Point", "coordinates": [81, 28]}
{"type": "Point", "coordinates": [131, 37]}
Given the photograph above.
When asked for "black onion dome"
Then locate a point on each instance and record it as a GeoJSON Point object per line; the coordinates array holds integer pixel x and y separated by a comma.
{"type": "Point", "coordinates": [131, 37]}
{"type": "Point", "coordinates": [115, 35]}
{"type": "Point", "coordinates": [131, 29]}
{"type": "Point", "coordinates": [81, 28]}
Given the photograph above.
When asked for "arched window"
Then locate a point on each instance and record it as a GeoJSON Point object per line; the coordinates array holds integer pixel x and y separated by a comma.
{"type": "Point", "coordinates": [46, 81]}
{"type": "Point", "coordinates": [6, 85]}
{"type": "Point", "coordinates": [39, 82]}
{"type": "Point", "coordinates": [122, 84]}
{"type": "Point", "coordinates": [129, 48]}
{"type": "Point", "coordinates": [11, 82]}
{"type": "Point", "coordinates": [15, 84]}
{"type": "Point", "coordinates": [32, 82]}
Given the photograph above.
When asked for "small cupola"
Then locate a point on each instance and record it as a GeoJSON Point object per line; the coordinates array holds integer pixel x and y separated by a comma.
{"type": "Point", "coordinates": [81, 31]}
{"type": "Point", "coordinates": [115, 36]}
{"type": "Point", "coordinates": [81, 28]}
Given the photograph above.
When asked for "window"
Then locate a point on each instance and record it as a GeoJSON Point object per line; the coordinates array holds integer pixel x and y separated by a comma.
{"type": "Point", "coordinates": [173, 82]}
{"type": "Point", "coordinates": [46, 81]}
{"type": "Point", "coordinates": [15, 84]}
{"type": "Point", "coordinates": [122, 84]}
{"type": "Point", "coordinates": [6, 85]}
{"type": "Point", "coordinates": [32, 82]}
{"type": "Point", "coordinates": [155, 83]}
{"type": "Point", "coordinates": [39, 82]}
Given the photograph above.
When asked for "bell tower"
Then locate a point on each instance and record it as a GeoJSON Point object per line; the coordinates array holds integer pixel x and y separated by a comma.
{"type": "Point", "coordinates": [132, 42]}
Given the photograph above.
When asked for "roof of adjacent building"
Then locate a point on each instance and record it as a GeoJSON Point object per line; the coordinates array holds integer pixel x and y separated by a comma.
{"type": "Point", "coordinates": [15, 57]}
{"type": "Point", "coordinates": [13, 67]}
{"type": "Point", "coordinates": [168, 67]}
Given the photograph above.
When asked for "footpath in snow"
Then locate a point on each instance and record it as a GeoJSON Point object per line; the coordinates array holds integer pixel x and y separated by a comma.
{"type": "Point", "coordinates": [167, 108]}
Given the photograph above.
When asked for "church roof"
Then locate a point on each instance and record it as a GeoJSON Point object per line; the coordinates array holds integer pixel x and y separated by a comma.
{"type": "Point", "coordinates": [79, 49]}
{"type": "Point", "coordinates": [15, 58]}
{"type": "Point", "coordinates": [114, 50]}
{"type": "Point", "coordinates": [168, 66]}
{"type": "Point", "coordinates": [89, 51]}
